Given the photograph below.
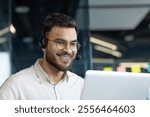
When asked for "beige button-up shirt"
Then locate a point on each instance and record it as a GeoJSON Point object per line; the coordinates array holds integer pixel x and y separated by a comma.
{"type": "Point", "coordinates": [32, 84]}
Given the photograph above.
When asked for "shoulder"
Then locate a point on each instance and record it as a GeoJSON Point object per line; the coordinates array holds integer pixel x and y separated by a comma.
{"type": "Point", "coordinates": [75, 77]}
{"type": "Point", "coordinates": [21, 76]}
{"type": "Point", "coordinates": [23, 73]}
{"type": "Point", "coordinates": [12, 87]}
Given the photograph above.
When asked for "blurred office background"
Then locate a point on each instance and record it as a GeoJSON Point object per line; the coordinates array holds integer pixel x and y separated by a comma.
{"type": "Point", "coordinates": [114, 34]}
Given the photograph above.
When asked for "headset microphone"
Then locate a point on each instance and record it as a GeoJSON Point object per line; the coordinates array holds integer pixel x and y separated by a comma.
{"type": "Point", "coordinates": [78, 57]}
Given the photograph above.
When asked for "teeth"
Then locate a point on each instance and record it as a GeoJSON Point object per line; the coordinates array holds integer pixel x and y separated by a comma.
{"type": "Point", "coordinates": [65, 58]}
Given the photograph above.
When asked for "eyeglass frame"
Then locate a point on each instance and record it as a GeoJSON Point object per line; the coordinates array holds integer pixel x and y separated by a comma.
{"type": "Point", "coordinates": [57, 41]}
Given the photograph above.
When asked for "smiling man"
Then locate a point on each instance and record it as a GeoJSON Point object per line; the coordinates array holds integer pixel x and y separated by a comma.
{"type": "Point", "coordinates": [49, 77]}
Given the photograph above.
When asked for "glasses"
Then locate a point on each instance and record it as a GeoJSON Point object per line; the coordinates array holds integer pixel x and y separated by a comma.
{"type": "Point", "coordinates": [61, 44]}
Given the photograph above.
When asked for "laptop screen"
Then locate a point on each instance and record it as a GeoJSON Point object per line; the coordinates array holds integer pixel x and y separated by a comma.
{"type": "Point", "coordinates": [102, 85]}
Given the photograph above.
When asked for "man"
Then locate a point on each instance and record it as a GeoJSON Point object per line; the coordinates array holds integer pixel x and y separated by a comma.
{"type": "Point", "coordinates": [49, 77]}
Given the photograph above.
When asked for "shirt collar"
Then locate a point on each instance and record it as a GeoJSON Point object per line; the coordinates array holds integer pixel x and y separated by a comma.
{"type": "Point", "coordinates": [43, 76]}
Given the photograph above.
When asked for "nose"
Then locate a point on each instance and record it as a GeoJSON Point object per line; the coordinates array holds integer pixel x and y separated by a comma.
{"type": "Point", "coordinates": [67, 49]}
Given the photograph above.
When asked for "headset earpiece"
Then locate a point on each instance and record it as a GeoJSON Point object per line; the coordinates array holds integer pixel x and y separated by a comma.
{"type": "Point", "coordinates": [43, 43]}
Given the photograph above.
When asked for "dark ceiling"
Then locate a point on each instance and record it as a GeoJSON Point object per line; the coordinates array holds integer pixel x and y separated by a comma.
{"type": "Point", "coordinates": [28, 15]}
{"type": "Point", "coordinates": [134, 44]}
{"type": "Point", "coordinates": [28, 19]}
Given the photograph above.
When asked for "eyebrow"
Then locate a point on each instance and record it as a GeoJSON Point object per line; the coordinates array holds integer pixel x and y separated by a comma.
{"type": "Point", "coordinates": [74, 41]}
{"type": "Point", "coordinates": [65, 40]}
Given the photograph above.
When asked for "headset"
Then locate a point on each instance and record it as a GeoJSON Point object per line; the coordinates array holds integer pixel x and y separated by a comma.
{"type": "Point", "coordinates": [43, 42]}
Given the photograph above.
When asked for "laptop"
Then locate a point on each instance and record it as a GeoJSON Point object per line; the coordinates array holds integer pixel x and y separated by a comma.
{"type": "Point", "coordinates": [102, 85]}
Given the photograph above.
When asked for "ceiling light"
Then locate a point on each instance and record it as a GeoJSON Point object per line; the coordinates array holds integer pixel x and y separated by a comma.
{"type": "Point", "coordinates": [7, 29]}
{"type": "Point", "coordinates": [22, 9]}
{"type": "Point", "coordinates": [4, 31]}
{"type": "Point", "coordinates": [108, 51]}
{"type": "Point", "coordinates": [12, 29]}
{"type": "Point", "coordinates": [103, 43]}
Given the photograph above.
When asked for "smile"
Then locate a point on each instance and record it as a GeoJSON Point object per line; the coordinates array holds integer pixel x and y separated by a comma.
{"type": "Point", "coordinates": [65, 58]}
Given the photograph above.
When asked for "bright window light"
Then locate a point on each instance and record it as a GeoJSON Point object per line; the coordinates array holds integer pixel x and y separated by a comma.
{"type": "Point", "coordinates": [5, 66]}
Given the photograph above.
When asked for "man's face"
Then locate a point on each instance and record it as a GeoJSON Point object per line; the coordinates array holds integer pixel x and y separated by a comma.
{"type": "Point", "coordinates": [60, 59]}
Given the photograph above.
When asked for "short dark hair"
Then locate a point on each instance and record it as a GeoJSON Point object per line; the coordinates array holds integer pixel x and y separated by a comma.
{"type": "Point", "coordinates": [57, 19]}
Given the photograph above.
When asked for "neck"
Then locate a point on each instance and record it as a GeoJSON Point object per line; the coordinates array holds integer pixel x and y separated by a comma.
{"type": "Point", "coordinates": [54, 75]}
